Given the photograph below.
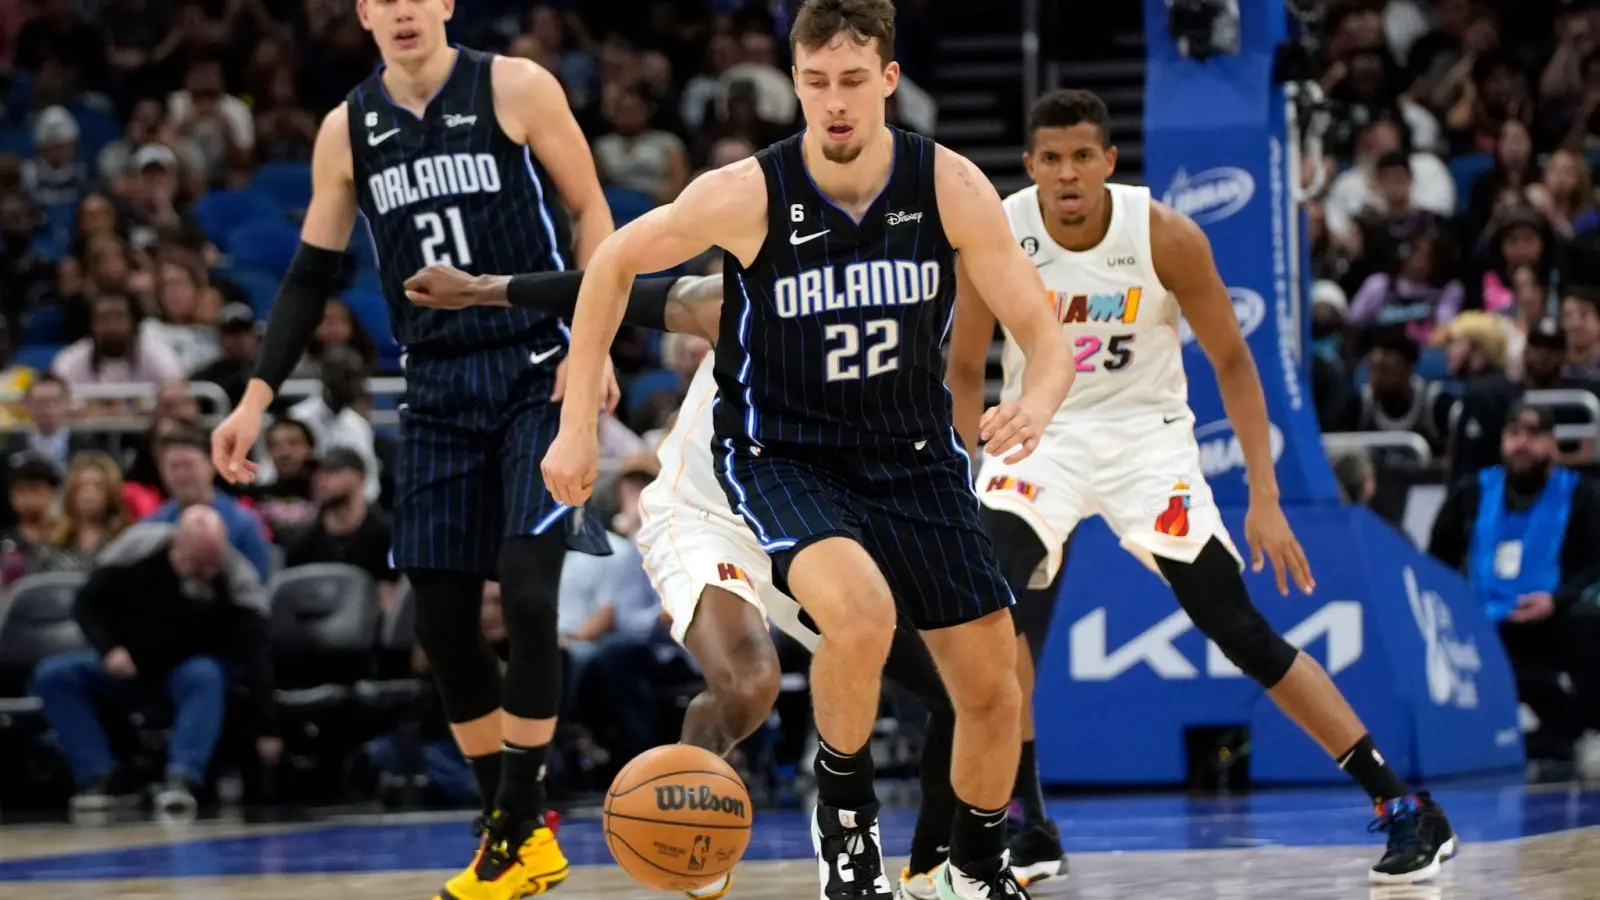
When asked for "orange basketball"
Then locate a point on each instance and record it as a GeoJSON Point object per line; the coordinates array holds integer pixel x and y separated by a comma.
{"type": "Point", "coordinates": [677, 818]}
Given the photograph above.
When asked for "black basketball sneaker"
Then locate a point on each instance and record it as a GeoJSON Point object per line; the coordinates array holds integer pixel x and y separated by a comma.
{"type": "Point", "coordinates": [1036, 853]}
{"type": "Point", "coordinates": [996, 884]}
{"type": "Point", "coordinates": [850, 854]}
{"type": "Point", "coordinates": [1420, 840]}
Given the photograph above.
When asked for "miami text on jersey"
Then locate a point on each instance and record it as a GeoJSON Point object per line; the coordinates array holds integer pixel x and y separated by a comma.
{"type": "Point", "coordinates": [878, 282]}
{"type": "Point", "coordinates": [443, 175]}
{"type": "Point", "coordinates": [1105, 307]}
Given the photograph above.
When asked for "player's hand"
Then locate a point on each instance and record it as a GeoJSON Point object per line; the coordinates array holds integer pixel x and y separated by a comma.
{"type": "Point", "coordinates": [447, 287]}
{"type": "Point", "coordinates": [1533, 607]}
{"type": "Point", "coordinates": [1010, 425]}
{"type": "Point", "coordinates": [571, 465]}
{"type": "Point", "coordinates": [612, 392]}
{"type": "Point", "coordinates": [230, 446]}
{"type": "Point", "coordinates": [1267, 532]}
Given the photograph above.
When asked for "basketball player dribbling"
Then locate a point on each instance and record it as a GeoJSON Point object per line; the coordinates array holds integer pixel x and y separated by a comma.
{"type": "Point", "coordinates": [708, 568]}
{"type": "Point", "coordinates": [458, 156]}
{"type": "Point", "coordinates": [1122, 446]}
{"type": "Point", "coordinates": [833, 434]}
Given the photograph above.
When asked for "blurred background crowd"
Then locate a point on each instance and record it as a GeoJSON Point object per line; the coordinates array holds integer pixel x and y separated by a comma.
{"type": "Point", "coordinates": [154, 160]}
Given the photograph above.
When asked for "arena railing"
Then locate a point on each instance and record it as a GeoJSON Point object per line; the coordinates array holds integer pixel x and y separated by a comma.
{"type": "Point", "coordinates": [1345, 441]}
{"type": "Point", "coordinates": [1571, 398]}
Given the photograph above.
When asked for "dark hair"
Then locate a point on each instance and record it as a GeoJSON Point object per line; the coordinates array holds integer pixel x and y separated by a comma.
{"type": "Point", "coordinates": [1066, 107]}
{"type": "Point", "coordinates": [1394, 339]}
{"type": "Point", "coordinates": [297, 425]}
{"type": "Point", "coordinates": [820, 21]}
{"type": "Point", "coordinates": [191, 436]}
{"type": "Point", "coordinates": [1588, 295]}
{"type": "Point", "coordinates": [44, 378]}
{"type": "Point", "coordinates": [1394, 159]}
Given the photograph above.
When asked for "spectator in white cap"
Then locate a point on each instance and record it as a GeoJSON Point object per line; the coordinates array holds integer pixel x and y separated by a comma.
{"type": "Point", "coordinates": [55, 178]}
{"type": "Point", "coordinates": [154, 194]}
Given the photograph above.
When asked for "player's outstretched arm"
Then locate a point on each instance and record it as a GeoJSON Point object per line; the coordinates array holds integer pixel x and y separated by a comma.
{"type": "Point", "coordinates": [970, 339]}
{"type": "Point", "coordinates": [297, 309]}
{"type": "Point", "coordinates": [680, 305]}
{"type": "Point", "coordinates": [540, 108]}
{"type": "Point", "coordinates": [1183, 262]}
{"type": "Point", "coordinates": [1010, 286]}
{"type": "Point", "coordinates": [725, 208]}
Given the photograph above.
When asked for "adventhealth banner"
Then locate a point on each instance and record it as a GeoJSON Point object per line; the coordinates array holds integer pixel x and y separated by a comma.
{"type": "Point", "coordinates": [1215, 148]}
{"type": "Point", "coordinates": [1125, 672]}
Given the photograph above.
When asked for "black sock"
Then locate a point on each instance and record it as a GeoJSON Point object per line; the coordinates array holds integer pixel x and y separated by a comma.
{"type": "Point", "coordinates": [486, 769]}
{"type": "Point", "coordinates": [844, 780]}
{"type": "Point", "coordinates": [521, 793]}
{"type": "Point", "coordinates": [930, 841]}
{"type": "Point", "coordinates": [1029, 792]}
{"type": "Point", "coordinates": [1366, 766]}
{"type": "Point", "coordinates": [977, 839]}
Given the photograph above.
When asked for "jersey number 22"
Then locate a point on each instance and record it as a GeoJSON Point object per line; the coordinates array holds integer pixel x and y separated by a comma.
{"type": "Point", "coordinates": [844, 357]}
{"type": "Point", "coordinates": [433, 228]}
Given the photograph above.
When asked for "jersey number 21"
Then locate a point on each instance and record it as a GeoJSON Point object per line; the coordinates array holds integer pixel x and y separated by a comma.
{"type": "Point", "coordinates": [433, 228]}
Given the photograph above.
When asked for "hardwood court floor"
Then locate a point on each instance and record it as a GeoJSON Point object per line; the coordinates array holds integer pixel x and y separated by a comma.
{"type": "Point", "coordinates": [1518, 844]}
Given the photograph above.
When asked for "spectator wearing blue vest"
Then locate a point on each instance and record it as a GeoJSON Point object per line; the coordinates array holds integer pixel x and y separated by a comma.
{"type": "Point", "coordinates": [1526, 534]}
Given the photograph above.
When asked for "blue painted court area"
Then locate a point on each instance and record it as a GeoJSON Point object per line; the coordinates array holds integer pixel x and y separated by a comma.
{"type": "Point", "coordinates": [1310, 818]}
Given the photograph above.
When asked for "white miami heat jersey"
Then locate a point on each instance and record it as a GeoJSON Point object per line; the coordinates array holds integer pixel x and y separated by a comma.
{"type": "Point", "coordinates": [1121, 323]}
{"type": "Point", "coordinates": [688, 481]}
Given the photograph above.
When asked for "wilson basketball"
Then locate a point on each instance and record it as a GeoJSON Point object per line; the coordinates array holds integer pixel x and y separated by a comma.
{"type": "Point", "coordinates": [677, 818]}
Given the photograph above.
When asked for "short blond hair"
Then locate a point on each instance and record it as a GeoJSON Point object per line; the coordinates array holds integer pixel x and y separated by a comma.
{"type": "Point", "coordinates": [1486, 331]}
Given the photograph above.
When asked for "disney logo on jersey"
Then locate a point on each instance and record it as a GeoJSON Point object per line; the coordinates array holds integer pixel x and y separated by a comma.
{"type": "Point", "coordinates": [454, 120]}
{"type": "Point", "coordinates": [1220, 451]}
{"type": "Point", "coordinates": [1248, 306]}
{"type": "Point", "coordinates": [1212, 195]}
{"type": "Point", "coordinates": [900, 217]}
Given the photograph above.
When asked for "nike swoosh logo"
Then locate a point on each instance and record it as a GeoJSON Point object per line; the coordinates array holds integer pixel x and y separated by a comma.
{"type": "Point", "coordinates": [797, 240]}
{"type": "Point", "coordinates": [537, 358]}
{"type": "Point", "coordinates": [1168, 420]}
{"type": "Point", "coordinates": [374, 140]}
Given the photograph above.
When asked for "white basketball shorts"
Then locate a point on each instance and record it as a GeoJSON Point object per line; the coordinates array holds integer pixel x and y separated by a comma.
{"type": "Point", "coordinates": [1141, 474]}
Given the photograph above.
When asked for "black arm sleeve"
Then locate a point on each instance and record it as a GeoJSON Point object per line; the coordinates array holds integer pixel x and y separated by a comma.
{"type": "Point", "coordinates": [296, 312]}
{"type": "Point", "coordinates": [557, 293]}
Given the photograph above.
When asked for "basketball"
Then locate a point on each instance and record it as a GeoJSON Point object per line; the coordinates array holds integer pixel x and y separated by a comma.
{"type": "Point", "coordinates": [677, 818]}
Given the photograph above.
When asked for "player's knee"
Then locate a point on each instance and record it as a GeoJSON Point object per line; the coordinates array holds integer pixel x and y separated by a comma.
{"type": "Point", "coordinates": [746, 686]}
{"type": "Point", "coordinates": [530, 586]}
{"type": "Point", "coordinates": [861, 626]}
{"type": "Point", "coordinates": [992, 702]}
{"type": "Point", "coordinates": [1212, 592]}
{"type": "Point", "coordinates": [448, 628]}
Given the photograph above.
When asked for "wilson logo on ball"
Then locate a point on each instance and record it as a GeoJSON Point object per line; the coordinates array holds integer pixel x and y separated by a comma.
{"type": "Point", "coordinates": [674, 797]}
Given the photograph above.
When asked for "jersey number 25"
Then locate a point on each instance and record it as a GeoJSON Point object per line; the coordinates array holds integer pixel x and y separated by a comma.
{"type": "Point", "coordinates": [432, 226]}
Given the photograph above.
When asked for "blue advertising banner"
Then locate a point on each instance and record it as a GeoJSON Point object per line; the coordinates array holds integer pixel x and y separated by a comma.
{"type": "Point", "coordinates": [1124, 671]}
{"type": "Point", "coordinates": [1216, 149]}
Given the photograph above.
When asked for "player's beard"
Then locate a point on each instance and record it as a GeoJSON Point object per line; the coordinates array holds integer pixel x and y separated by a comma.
{"type": "Point", "coordinates": [847, 153]}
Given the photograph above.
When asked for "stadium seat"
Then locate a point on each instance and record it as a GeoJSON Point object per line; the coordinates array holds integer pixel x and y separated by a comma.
{"type": "Point", "coordinates": [365, 300]}
{"type": "Point", "coordinates": [221, 212]}
{"type": "Point", "coordinates": [647, 384]}
{"type": "Point", "coordinates": [1464, 170]}
{"type": "Point", "coordinates": [36, 621]}
{"type": "Point", "coordinates": [95, 131]}
{"type": "Point", "coordinates": [261, 287]}
{"type": "Point", "coordinates": [46, 325]}
{"type": "Point", "coordinates": [324, 627]}
{"type": "Point", "coordinates": [397, 686]}
{"type": "Point", "coordinates": [628, 205]}
{"type": "Point", "coordinates": [288, 183]}
{"type": "Point", "coordinates": [36, 356]}
{"type": "Point", "coordinates": [363, 249]}
{"type": "Point", "coordinates": [268, 246]}
{"type": "Point", "coordinates": [1433, 363]}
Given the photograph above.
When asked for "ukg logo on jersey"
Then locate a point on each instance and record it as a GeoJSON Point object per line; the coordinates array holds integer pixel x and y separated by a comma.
{"type": "Point", "coordinates": [1248, 306]}
{"type": "Point", "coordinates": [1451, 662]}
{"type": "Point", "coordinates": [1220, 451]}
{"type": "Point", "coordinates": [1212, 195]}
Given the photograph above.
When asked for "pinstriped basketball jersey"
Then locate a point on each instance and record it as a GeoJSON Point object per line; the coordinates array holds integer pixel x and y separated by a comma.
{"type": "Point", "coordinates": [451, 187]}
{"type": "Point", "coordinates": [834, 334]}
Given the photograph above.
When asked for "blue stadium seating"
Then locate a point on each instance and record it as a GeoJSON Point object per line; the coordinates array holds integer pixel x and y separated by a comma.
{"type": "Point", "coordinates": [649, 383]}
{"type": "Point", "coordinates": [288, 183]}
{"type": "Point", "coordinates": [36, 356]}
{"type": "Point", "coordinates": [261, 287]}
{"type": "Point", "coordinates": [366, 302]}
{"type": "Point", "coordinates": [221, 212]}
{"type": "Point", "coordinates": [46, 325]}
{"type": "Point", "coordinates": [1464, 170]}
{"type": "Point", "coordinates": [628, 205]}
{"type": "Point", "coordinates": [266, 245]}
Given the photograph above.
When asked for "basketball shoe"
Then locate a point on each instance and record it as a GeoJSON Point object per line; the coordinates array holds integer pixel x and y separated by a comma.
{"type": "Point", "coordinates": [922, 886]}
{"type": "Point", "coordinates": [1036, 853]}
{"type": "Point", "coordinates": [1420, 840]}
{"type": "Point", "coordinates": [513, 860]}
{"type": "Point", "coordinates": [714, 891]}
{"type": "Point", "coordinates": [850, 853]}
{"type": "Point", "coordinates": [955, 884]}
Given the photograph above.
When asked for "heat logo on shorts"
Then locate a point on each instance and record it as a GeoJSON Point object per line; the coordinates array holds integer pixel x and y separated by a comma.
{"type": "Point", "coordinates": [727, 571]}
{"type": "Point", "coordinates": [1028, 490]}
{"type": "Point", "coordinates": [1108, 307]}
{"type": "Point", "coordinates": [1174, 520]}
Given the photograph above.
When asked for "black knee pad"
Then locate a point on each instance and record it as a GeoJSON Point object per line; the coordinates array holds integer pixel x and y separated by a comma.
{"type": "Point", "coordinates": [1211, 590]}
{"type": "Point", "coordinates": [1020, 551]}
{"type": "Point", "coordinates": [530, 582]}
{"type": "Point", "coordinates": [449, 629]}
